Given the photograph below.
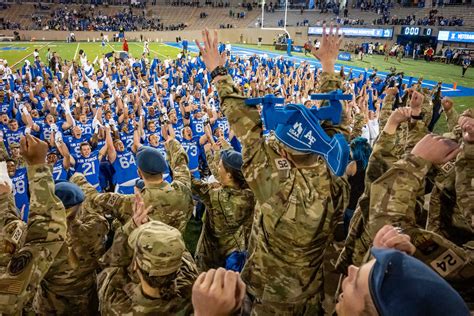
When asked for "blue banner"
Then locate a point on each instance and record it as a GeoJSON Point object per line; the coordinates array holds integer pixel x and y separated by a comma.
{"type": "Point", "coordinates": [354, 31]}
{"type": "Point", "coordinates": [344, 56]}
{"type": "Point", "coordinates": [454, 36]}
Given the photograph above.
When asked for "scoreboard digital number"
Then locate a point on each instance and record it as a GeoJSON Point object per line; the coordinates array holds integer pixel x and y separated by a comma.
{"type": "Point", "coordinates": [411, 31]}
{"type": "Point", "coordinates": [415, 31]}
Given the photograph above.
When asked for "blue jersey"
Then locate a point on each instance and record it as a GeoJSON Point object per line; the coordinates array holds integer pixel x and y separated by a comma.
{"type": "Point", "coordinates": [127, 139]}
{"type": "Point", "coordinates": [223, 124]}
{"type": "Point", "coordinates": [86, 128]}
{"type": "Point", "coordinates": [125, 167]}
{"type": "Point", "coordinates": [45, 132]}
{"type": "Point", "coordinates": [178, 129]}
{"type": "Point", "coordinates": [89, 167]}
{"type": "Point", "coordinates": [74, 145]}
{"type": "Point", "coordinates": [14, 136]}
{"type": "Point", "coordinates": [192, 149]}
{"type": "Point", "coordinates": [59, 173]}
{"type": "Point", "coordinates": [20, 192]}
{"type": "Point", "coordinates": [197, 125]}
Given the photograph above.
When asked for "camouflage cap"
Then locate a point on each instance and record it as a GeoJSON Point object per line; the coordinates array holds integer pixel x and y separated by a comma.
{"type": "Point", "coordinates": [14, 145]}
{"type": "Point", "coordinates": [158, 248]}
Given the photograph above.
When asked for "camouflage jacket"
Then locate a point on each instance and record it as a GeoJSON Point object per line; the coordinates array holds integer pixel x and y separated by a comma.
{"type": "Point", "coordinates": [227, 223]}
{"type": "Point", "coordinates": [295, 203]}
{"type": "Point", "coordinates": [45, 238]}
{"type": "Point", "coordinates": [120, 291]}
{"type": "Point", "coordinates": [171, 204]}
{"type": "Point", "coordinates": [70, 284]}
{"type": "Point", "coordinates": [392, 201]}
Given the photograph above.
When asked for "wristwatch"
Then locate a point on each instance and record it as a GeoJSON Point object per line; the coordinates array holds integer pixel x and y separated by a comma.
{"type": "Point", "coordinates": [218, 71]}
{"type": "Point", "coordinates": [418, 117]}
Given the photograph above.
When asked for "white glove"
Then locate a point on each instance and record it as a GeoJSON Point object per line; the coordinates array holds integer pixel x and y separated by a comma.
{"type": "Point", "coordinates": [95, 123]}
{"type": "Point", "coordinates": [58, 138]}
{"type": "Point", "coordinates": [54, 127]}
{"type": "Point", "coordinates": [27, 131]}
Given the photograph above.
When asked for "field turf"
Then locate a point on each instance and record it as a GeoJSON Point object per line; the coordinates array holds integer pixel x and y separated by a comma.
{"type": "Point", "coordinates": [17, 52]}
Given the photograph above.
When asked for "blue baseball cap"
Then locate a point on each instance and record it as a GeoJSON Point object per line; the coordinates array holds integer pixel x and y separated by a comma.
{"type": "Point", "coordinates": [400, 284]}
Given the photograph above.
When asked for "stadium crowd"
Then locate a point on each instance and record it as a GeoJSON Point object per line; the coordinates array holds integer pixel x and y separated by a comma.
{"type": "Point", "coordinates": [105, 162]}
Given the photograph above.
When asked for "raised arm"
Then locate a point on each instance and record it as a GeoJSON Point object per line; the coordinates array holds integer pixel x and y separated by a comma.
{"type": "Point", "coordinates": [178, 160]}
{"type": "Point", "coordinates": [393, 195]}
{"type": "Point", "coordinates": [47, 218]}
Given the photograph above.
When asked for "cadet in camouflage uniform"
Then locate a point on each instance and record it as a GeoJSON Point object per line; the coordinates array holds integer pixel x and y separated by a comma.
{"type": "Point", "coordinates": [163, 270]}
{"type": "Point", "coordinates": [393, 198]}
{"type": "Point", "coordinates": [229, 210]}
{"type": "Point", "coordinates": [45, 235]}
{"type": "Point", "coordinates": [171, 204]}
{"type": "Point", "coordinates": [69, 288]}
{"type": "Point", "coordinates": [295, 195]}
{"type": "Point", "coordinates": [384, 154]}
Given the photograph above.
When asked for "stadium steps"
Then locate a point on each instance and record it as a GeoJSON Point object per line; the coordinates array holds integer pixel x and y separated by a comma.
{"type": "Point", "coordinates": [315, 17]}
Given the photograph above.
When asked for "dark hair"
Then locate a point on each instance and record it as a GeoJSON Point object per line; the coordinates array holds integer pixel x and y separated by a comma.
{"type": "Point", "coordinates": [84, 144]}
{"type": "Point", "coordinates": [361, 150]}
{"type": "Point", "coordinates": [151, 177]}
{"type": "Point", "coordinates": [166, 284]}
{"type": "Point", "coordinates": [237, 177]}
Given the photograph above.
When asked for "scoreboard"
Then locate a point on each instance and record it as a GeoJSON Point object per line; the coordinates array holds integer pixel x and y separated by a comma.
{"type": "Point", "coordinates": [416, 31]}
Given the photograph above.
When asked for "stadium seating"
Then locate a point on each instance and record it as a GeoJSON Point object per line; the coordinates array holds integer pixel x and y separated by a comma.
{"type": "Point", "coordinates": [314, 16]}
{"type": "Point", "coordinates": [170, 15]}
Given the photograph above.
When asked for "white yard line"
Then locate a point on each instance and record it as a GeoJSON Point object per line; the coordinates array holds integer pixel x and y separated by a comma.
{"type": "Point", "coordinates": [77, 49]}
{"type": "Point", "coordinates": [13, 66]}
{"type": "Point", "coordinates": [108, 44]}
{"type": "Point", "coordinates": [151, 50]}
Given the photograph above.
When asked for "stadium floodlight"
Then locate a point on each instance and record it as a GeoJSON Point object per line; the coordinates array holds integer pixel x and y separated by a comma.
{"type": "Point", "coordinates": [275, 28]}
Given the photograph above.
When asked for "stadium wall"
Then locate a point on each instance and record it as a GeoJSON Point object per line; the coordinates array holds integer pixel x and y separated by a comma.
{"type": "Point", "coordinates": [248, 35]}
{"type": "Point", "coordinates": [237, 35]}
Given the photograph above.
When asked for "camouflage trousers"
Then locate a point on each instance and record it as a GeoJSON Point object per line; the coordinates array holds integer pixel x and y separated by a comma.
{"type": "Point", "coordinates": [311, 306]}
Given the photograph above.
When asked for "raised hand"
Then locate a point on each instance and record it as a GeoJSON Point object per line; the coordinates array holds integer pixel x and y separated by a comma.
{"type": "Point", "coordinates": [209, 52]}
{"type": "Point", "coordinates": [329, 49]}
{"type": "Point", "coordinates": [218, 292]}
{"type": "Point", "coordinates": [436, 149]}
{"type": "Point", "coordinates": [415, 102]}
{"type": "Point", "coordinates": [5, 188]}
{"type": "Point", "coordinates": [140, 213]}
{"type": "Point", "coordinates": [398, 116]}
{"type": "Point", "coordinates": [391, 237]}
{"type": "Point", "coordinates": [33, 150]}
{"type": "Point", "coordinates": [467, 126]}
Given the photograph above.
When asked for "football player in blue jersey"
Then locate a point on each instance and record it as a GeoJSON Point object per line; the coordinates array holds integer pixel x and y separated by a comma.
{"type": "Point", "coordinates": [88, 163]}
{"type": "Point", "coordinates": [75, 140]}
{"type": "Point", "coordinates": [192, 145]}
{"type": "Point", "coordinates": [123, 161]}
{"type": "Point", "coordinates": [20, 188]}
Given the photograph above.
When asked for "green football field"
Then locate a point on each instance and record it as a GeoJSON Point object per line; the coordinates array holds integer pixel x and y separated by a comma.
{"type": "Point", "coordinates": [17, 52]}
{"type": "Point", "coordinates": [69, 51]}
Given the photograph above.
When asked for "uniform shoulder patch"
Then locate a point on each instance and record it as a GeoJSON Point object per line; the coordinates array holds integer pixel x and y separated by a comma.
{"type": "Point", "coordinates": [112, 200]}
{"type": "Point", "coordinates": [446, 263]}
{"type": "Point", "coordinates": [282, 164]}
{"type": "Point", "coordinates": [19, 262]}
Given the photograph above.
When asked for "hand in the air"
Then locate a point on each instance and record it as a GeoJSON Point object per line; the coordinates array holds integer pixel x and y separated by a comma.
{"type": "Point", "coordinates": [436, 149]}
{"type": "Point", "coordinates": [33, 150]}
{"type": "Point", "coordinates": [209, 52]}
{"type": "Point", "coordinates": [329, 49]}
